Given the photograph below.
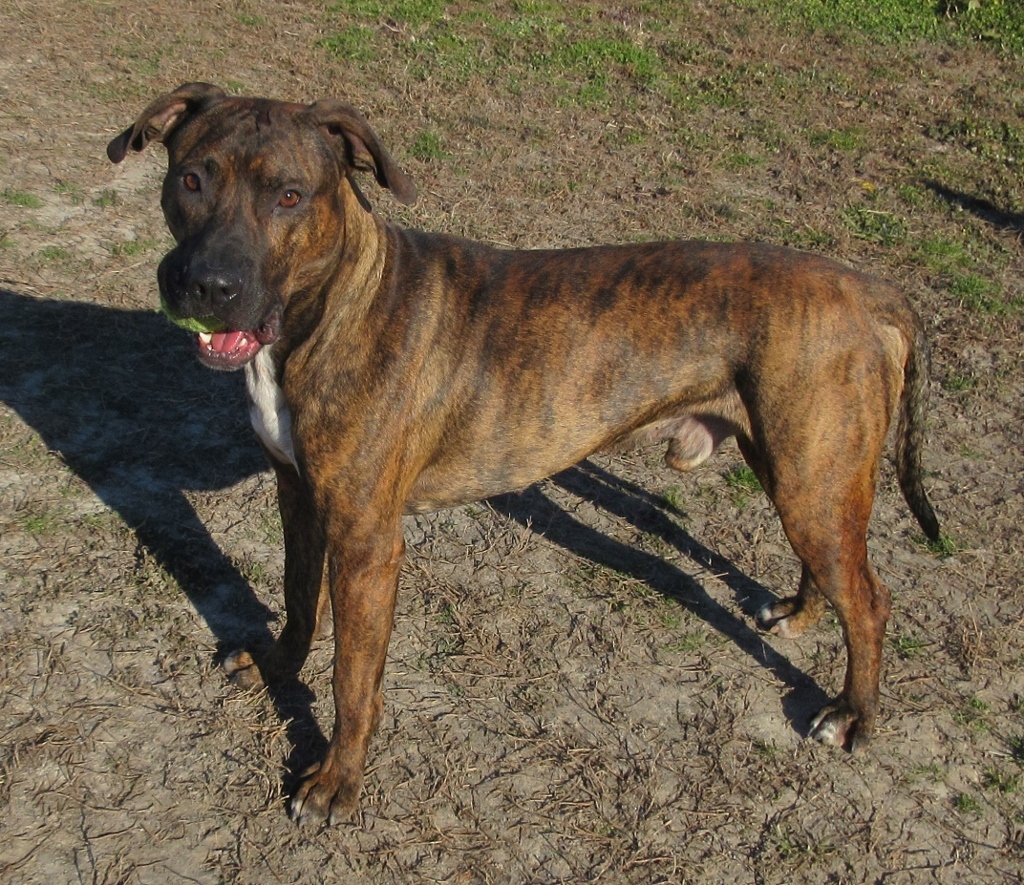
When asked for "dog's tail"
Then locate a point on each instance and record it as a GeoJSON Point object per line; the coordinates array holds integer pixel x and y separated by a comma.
{"type": "Point", "coordinates": [910, 433]}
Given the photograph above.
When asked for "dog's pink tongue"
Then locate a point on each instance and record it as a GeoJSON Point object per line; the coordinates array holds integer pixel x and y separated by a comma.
{"type": "Point", "coordinates": [225, 342]}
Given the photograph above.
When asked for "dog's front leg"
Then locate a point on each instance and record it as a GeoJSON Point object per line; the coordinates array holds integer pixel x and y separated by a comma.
{"type": "Point", "coordinates": [303, 588]}
{"type": "Point", "coordinates": [363, 573]}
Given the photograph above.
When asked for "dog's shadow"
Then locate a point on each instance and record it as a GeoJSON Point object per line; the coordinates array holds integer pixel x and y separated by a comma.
{"type": "Point", "coordinates": [118, 396]}
{"type": "Point", "coordinates": [633, 504]}
{"type": "Point", "coordinates": [115, 394]}
{"type": "Point", "coordinates": [984, 209]}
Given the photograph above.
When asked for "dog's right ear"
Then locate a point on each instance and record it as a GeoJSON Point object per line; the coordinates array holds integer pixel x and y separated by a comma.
{"type": "Point", "coordinates": [162, 117]}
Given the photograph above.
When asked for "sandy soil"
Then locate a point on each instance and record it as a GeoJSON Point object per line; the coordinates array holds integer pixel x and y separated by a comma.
{"type": "Point", "coordinates": [575, 688]}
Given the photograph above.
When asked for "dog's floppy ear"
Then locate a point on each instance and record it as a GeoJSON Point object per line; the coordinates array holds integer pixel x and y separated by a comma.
{"type": "Point", "coordinates": [161, 117]}
{"type": "Point", "coordinates": [363, 148]}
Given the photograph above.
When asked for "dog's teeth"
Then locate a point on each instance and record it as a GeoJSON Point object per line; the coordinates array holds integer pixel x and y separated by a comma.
{"type": "Point", "coordinates": [206, 338]}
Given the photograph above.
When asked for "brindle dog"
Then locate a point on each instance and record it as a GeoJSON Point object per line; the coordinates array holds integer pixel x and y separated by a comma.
{"type": "Point", "coordinates": [394, 371]}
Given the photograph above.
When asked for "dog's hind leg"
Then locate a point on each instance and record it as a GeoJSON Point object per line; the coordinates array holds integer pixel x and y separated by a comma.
{"type": "Point", "coordinates": [825, 505]}
{"type": "Point", "coordinates": [862, 604]}
{"type": "Point", "coordinates": [791, 616]}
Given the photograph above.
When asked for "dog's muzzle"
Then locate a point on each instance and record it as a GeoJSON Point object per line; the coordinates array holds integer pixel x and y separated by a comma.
{"type": "Point", "coordinates": [249, 318]}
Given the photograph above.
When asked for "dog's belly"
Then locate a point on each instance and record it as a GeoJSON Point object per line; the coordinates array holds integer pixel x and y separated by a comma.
{"type": "Point", "coordinates": [491, 467]}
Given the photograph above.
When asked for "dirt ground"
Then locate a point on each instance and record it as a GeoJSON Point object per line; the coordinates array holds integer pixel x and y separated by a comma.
{"type": "Point", "coordinates": [575, 689]}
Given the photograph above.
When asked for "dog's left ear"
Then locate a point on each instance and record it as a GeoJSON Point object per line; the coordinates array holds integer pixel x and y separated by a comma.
{"type": "Point", "coordinates": [162, 117]}
{"type": "Point", "coordinates": [363, 149]}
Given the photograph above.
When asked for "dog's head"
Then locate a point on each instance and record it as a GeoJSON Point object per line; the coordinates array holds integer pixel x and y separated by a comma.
{"type": "Point", "coordinates": [255, 197]}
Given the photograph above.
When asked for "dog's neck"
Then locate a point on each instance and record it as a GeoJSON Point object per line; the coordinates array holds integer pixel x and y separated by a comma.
{"type": "Point", "coordinates": [351, 289]}
{"type": "Point", "coordinates": [365, 254]}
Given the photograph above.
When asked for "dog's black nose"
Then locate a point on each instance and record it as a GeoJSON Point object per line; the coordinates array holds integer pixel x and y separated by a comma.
{"type": "Point", "coordinates": [212, 286]}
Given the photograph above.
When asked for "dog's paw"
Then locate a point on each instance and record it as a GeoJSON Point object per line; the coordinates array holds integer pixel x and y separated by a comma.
{"type": "Point", "coordinates": [838, 725]}
{"type": "Point", "coordinates": [241, 669]}
{"type": "Point", "coordinates": [787, 618]}
{"type": "Point", "coordinates": [322, 798]}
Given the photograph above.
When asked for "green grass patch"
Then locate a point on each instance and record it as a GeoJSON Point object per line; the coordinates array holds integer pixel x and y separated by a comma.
{"type": "Point", "coordinates": [453, 57]}
{"type": "Point", "coordinates": [942, 548]}
{"type": "Point", "coordinates": [742, 479]}
{"type": "Point", "coordinates": [797, 848]}
{"type": "Point", "coordinates": [941, 255]}
{"type": "Point", "coordinates": [688, 644]}
{"type": "Point", "coordinates": [354, 43]}
{"type": "Point", "coordinates": [134, 247]}
{"type": "Point", "coordinates": [1001, 781]}
{"type": "Point", "coordinates": [446, 614]}
{"type": "Point", "coordinates": [72, 191]}
{"type": "Point", "coordinates": [21, 199]}
{"type": "Point", "coordinates": [1000, 22]}
{"type": "Point", "coordinates": [972, 715]}
{"type": "Point", "coordinates": [966, 804]}
{"type": "Point", "coordinates": [427, 147]}
{"type": "Point", "coordinates": [998, 141]}
{"type": "Point", "coordinates": [850, 139]}
{"type": "Point", "coordinates": [803, 236]}
{"type": "Point", "coordinates": [673, 497]}
{"type": "Point", "coordinates": [913, 196]}
{"type": "Point", "coordinates": [453, 46]}
{"type": "Point", "coordinates": [670, 617]}
{"type": "Point", "coordinates": [908, 647]}
{"type": "Point", "coordinates": [977, 293]}
{"type": "Point", "coordinates": [585, 70]}
{"type": "Point", "coordinates": [53, 253]}
{"type": "Point", "coordinates": [106, 199]}
{"type": "Point", "coordinates": [535, 7]}
{"type": "Point", "coordinates": [893, 21]}
{"type": "Point", "coordinates": [875, 226]}
{"type": "Point", "coordinates": [741, 160]}
{"type": "Point", "coordinates": [960, 383]}
{"type": "Point", "coordinates": [994, 21]}
{"type": "Point", "coordinates": [37, 523]}
{"type": "Point", "coordinates": [592, 57]}
{"type": "Point", "coordinates": [721, 90]}
{"type": "Point", "coordinates": [931, 773]}
{"type": "Point", "coordinates": [410, 12]}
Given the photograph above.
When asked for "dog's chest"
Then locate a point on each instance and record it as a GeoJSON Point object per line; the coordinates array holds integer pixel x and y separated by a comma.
{"type": "Point", "coordinates": [268, 411]}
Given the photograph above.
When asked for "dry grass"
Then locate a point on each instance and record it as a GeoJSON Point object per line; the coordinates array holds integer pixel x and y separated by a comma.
{"type": "Point", "coordinates": [575, 691]}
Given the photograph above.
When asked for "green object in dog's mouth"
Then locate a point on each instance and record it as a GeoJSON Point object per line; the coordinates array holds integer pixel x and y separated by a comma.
{"type": "Point", "coordinates": [221, 347]}
{"type": "Point", "coordinates": [196, 325]}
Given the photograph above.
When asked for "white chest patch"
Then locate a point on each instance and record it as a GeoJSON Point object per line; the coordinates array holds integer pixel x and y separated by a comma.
{"type": "Point", "coordinates": [268, 411]}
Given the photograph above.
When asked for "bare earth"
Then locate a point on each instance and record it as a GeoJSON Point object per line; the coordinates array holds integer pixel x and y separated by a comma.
{"type": "Point", "coordinates": [575, 689]}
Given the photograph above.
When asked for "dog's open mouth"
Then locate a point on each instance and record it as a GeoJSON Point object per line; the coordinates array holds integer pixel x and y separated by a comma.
{"type": "Point", "coordinates": [234, 348]}
{"type": "Point", "coordinates": [227, 350]}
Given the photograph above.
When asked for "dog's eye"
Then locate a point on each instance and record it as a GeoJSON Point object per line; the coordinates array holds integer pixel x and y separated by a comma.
{"type": "Point", "coordinates": [289, 199]}
{"type": "Point", "coordinates": [191, 182]}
